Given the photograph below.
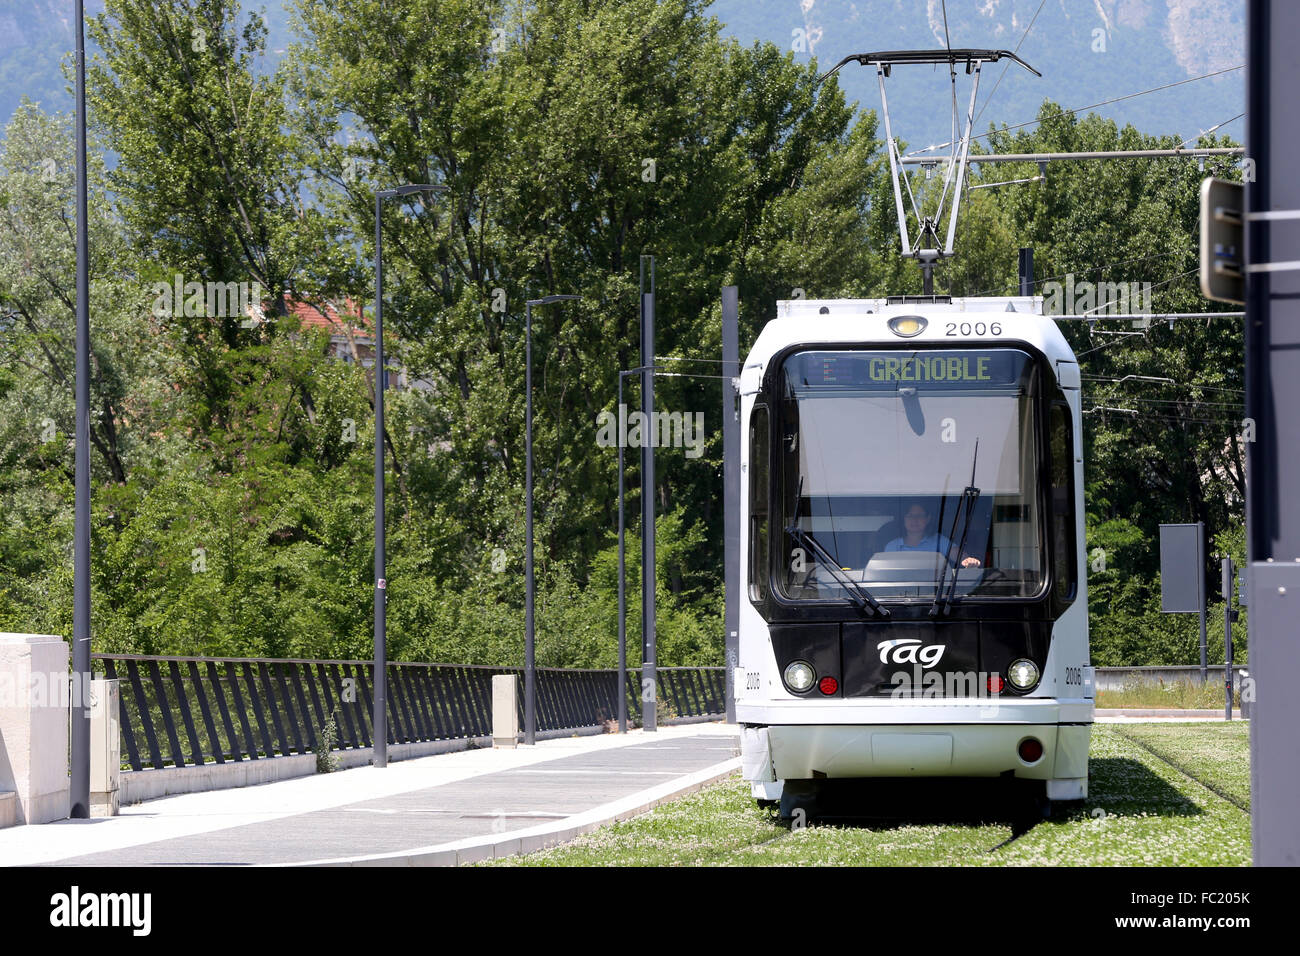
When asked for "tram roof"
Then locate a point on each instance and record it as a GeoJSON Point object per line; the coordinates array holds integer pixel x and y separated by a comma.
{"type": "Point", "coordinates": [865, 322]}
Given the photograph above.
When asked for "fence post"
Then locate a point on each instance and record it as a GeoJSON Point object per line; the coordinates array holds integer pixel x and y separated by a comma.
{"type": "Point", "coordinates": [105, 748]}
{"type": "Point", "coordinates": [505, 714]}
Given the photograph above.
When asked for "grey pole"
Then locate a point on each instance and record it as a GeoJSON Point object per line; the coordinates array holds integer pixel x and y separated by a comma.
{"type": "Point", "coordinates": [79, 757]}
{"type": "Point", "coordinates": [380, 718]}
{"type": "Point", "coordinates": [1026, 270]}
{"type": "Point", "coordinates": [1205, 599]}
{"type": "Point", "coordinates": [649, 680]}
{"type": "Point", "coordinates": [530, 663]}
{"type": "Point", "coordinates": [622, 576]}
{"type": "Point", "coordinates": [1273, 459]}
{"type": "Point", "coordinates": [1227, 637]}
{"type": "Point", "coordinates": [731, 489]}
{"type": "Point", "coordinates": [381, 585]}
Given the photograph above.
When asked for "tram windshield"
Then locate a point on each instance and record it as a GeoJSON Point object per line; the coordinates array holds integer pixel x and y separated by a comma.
{"type": "Point", "coordinates": [910, 475]}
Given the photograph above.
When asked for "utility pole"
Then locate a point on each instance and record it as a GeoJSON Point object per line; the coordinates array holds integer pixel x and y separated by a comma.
{"type": "Point", "coordinates": [649, 679]}
{"type": "Point", "coordinates": [79, 743]}
{"type": "Point", "coordinates": [1026, 270]}
{"type": "Point", "coordinates": [380, 716]}
{"type": "Point", "coordinates": [1226, 567]}
{"type": "Point", "coordinates": [1272, 258]}
{"type": "Point", "coordinates": [731, 489]}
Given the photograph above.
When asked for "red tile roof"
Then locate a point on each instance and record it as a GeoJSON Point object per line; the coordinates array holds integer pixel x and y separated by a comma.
{"type": "Point", "coordinates": [331, 316]}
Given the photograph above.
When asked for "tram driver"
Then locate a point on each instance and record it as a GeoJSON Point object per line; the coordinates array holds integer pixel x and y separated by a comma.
{"type": "Point", "coordinates": [918, 537]}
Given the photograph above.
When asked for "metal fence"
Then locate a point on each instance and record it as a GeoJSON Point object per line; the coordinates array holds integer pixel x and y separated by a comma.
{"type": "Point", "coordinates": [187, 711]}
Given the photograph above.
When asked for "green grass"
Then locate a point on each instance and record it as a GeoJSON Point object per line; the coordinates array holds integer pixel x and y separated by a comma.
{"type": "Point", "coordinates": [1219, 756]}
{"type": "Point", "coordinates": [1179, 694]}
{"type": "Point", "coordinates": [1140, 812]}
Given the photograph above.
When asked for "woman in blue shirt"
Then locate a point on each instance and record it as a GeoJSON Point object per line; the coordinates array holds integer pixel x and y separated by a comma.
{"type": "Point", "coordinates": [916, 522]}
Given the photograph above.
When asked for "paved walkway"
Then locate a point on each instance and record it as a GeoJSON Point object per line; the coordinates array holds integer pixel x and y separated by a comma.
{"type": "Point", "coordinates": [441, 809]}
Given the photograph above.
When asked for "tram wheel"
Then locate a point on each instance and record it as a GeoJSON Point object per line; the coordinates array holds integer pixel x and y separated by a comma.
{"type": "Point", "coordinates": [799, 800]}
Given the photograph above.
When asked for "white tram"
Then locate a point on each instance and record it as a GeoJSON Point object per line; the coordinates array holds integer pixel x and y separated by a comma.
{"type": "Point", "coordinates": [913, 533]}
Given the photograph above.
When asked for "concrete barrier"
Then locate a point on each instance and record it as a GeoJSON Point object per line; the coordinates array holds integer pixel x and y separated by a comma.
{"type": "Point", "coordinates": [34, 690]}
{"type": "Point", "coordinates": [1115, 678]}
{"type": "Point", "coordinates": [8, 808]}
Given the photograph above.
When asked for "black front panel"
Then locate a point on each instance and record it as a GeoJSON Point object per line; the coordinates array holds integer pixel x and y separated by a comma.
{"type": "Point", "coordinates": [1004, 642]}
{"type": "Point", "coordinates": [934, 658]}
{"type": "Point", "coordinates": [817, 644]}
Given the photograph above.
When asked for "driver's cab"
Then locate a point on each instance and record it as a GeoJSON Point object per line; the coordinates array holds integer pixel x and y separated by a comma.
{"type": "Point", "coordinates": [899, 547]}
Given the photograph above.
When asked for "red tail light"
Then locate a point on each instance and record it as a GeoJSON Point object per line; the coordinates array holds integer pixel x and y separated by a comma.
{"type": "Point", "coordinates": [828, 685]}
{"type": "Point", "coordinates": [996, 683]}
{"type": "Point", "coordinates": [1031, 750]}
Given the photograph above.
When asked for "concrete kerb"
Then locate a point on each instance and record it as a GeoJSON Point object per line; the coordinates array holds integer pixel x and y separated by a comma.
{"type": "Point", "coordinates": [1131, 715]}
{"type": "Point", "coordinates": [477, 849]}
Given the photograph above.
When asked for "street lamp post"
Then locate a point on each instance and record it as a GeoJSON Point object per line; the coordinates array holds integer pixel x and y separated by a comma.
{"type": "Point", "coordinates": [79, 743]}
{"type": "Point", "coordinates": [530, 667]}
{"type": "Point", "coordinates": [381, 583]}
{"type": "Point", "coordinates": [622, 566]}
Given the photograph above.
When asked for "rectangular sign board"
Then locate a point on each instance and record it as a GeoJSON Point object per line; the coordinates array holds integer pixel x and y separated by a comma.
{"type": "Point", "coordinates": [1223, 269]}
{"type": "Point", "coordinates": [1182, 568]}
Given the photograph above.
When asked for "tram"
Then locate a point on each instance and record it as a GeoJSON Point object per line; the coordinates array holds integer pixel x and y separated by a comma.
{"type": "Point", "coordinates": [913, 540]}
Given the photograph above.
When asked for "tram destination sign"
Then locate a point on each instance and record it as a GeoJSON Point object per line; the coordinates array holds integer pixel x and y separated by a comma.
{"type": "Point", "coordinates": [892, 370]}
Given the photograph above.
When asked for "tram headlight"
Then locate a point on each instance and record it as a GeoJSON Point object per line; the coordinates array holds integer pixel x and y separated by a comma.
{"type": "Point", "coordinates": [1023, 674]}
{"type": "Point", "coordinates": [907, 325]}
{"type": "Point", "coordinates": [799, 676]}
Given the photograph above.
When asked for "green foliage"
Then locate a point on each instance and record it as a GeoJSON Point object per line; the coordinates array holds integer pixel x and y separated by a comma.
{"type": "Point", "coordinates": [327, 761]}
{"type": "Point", "coordinates": [233, 460]}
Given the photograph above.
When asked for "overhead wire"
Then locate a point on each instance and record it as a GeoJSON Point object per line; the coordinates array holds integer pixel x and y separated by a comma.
{"type": "Point", "coordinates": [1172, 401]}
{"type": "Point", "coordinates": [1231, 423]}
{"type": "Point", "coordinates": [1007, 66]}
{"type": "Point", "coordinates": [1207, 132]}
{"type": "Point", "coordinates": [1207, 388]}
{"type": "Point", "coordinates": [1106, 265]}
{"type": "Point", "coordinates": [1080, 109]}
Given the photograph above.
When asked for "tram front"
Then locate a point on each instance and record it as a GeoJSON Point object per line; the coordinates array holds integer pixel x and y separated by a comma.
{"type": "Point", "coordinates": [914, 531]}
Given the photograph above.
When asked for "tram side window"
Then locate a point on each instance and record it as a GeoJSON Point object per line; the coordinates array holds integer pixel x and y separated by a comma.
{"type": "Point", "coordinates": [1062, 502]}
{"type": "Point", "coordinates": [759, 484]}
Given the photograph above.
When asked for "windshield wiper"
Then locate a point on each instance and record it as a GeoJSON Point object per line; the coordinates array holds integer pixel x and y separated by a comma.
{"type": "Point", "coordinates": [968, 498]}
{"type": "Point", "coordinates": [861, 596]}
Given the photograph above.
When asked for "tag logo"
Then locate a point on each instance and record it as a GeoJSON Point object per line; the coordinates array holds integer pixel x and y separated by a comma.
{"type": "Point", "coordinates": [908, 650]}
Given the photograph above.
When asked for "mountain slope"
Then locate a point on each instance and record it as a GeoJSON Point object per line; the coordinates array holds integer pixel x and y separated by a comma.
{"type": "Point", "coordinates": [1088, 51]}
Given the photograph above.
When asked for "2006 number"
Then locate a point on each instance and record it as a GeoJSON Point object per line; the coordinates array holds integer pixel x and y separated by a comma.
{"type": "Point", "coordinates": [973, 328]}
